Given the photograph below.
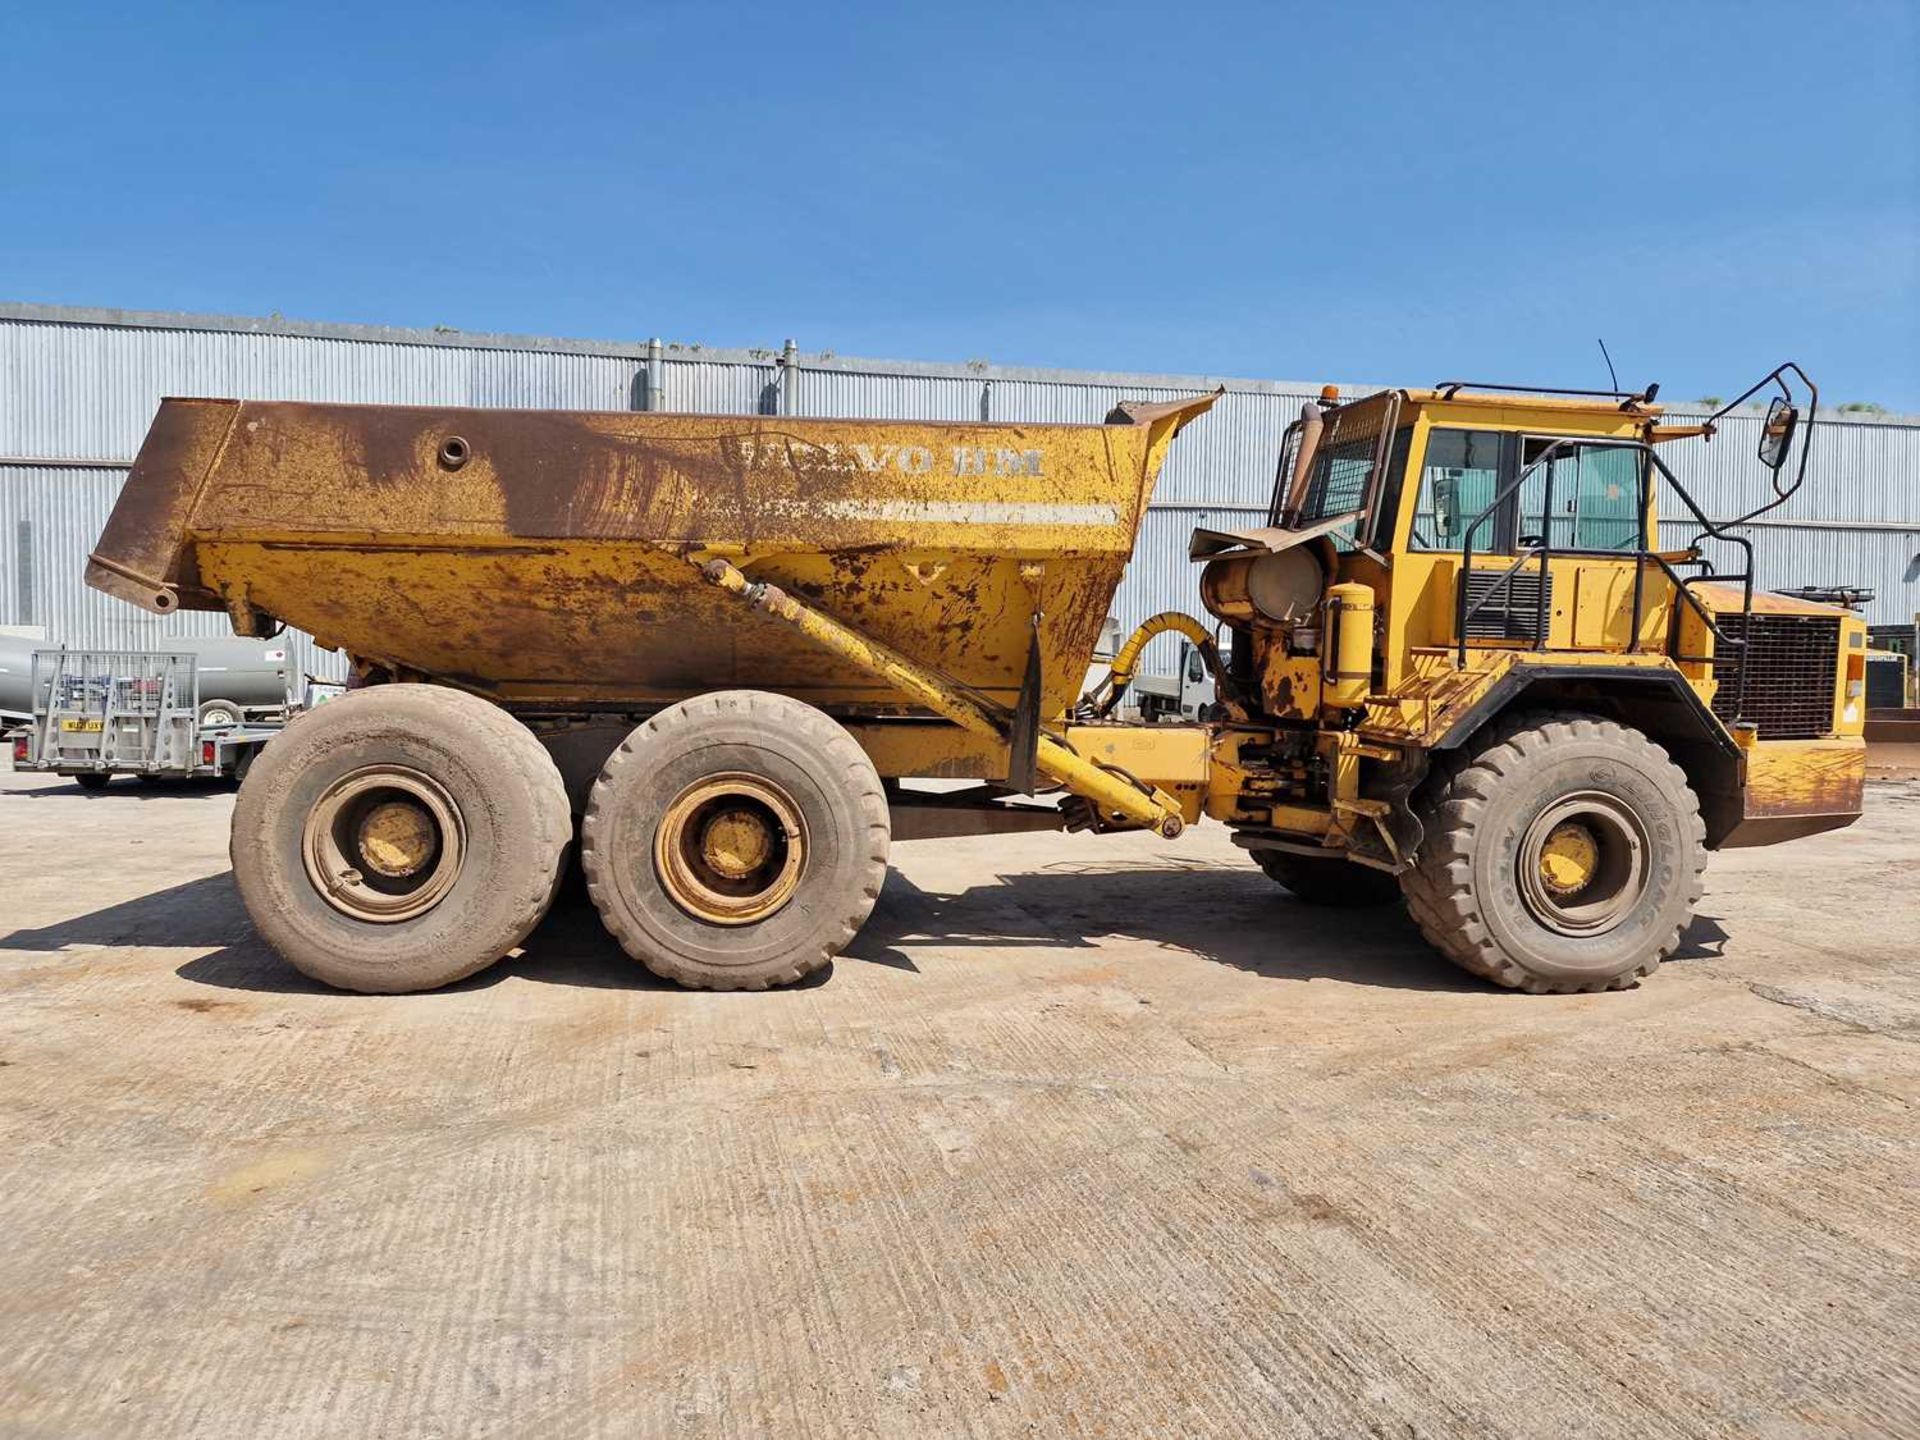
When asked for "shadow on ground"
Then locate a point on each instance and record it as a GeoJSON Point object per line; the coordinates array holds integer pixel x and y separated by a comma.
{"type": "Point", "coordinates": [1228, 916]}
{"type": "Point", "coordinates": [125, 788]}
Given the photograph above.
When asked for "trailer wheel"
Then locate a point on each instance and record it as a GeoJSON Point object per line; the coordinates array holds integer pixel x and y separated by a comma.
{"type": "Point", "coordinates": [399, 838]}
{"type": "Point", "coordinates": [735, 841]}
{"type": "Point", "coordinates": [1564, 854]}
{"type": "Point", "coordinates": [92, 780]}
{"type": "Point", "coordinates": [1328, 880]}
{"type": "Point", "coordinates": [218, 715]}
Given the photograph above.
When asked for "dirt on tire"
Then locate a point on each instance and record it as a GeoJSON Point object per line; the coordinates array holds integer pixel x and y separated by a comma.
{"type": "Point", "coordinates": [753, 732]}
{"type": "Point", "coordinates": [1462, 892]}
{"type": "Point", "coordinates": [511, 802]}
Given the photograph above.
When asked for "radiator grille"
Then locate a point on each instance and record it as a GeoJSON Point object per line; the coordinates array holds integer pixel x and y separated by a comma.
{"type": "Point", "coordinates": [1514, 612]}
{"type": "Point", "coordinates": [1792, 663]}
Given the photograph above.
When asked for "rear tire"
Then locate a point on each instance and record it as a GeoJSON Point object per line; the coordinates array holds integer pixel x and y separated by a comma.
{"type": "Point", "coordinates": [435, 819]}
{"type": "Point", "coordinates": [92, 780]}
{"type": "Point", "coordinates": [736, 841]}
{"type": "Point", "coordinates": [1564, 854]}
{"type": "Point", "coordinates": [1328, 880]}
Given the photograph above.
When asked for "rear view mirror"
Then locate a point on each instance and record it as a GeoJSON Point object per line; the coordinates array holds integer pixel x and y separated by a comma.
{"type": "Point", "coordinates": [1776, 434]}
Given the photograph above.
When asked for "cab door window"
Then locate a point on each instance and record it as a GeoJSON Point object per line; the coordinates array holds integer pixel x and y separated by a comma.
{"type": "Point", "coordinates": [1459, 479]}
{"type": "Point", "coordinates": [1596, 495]}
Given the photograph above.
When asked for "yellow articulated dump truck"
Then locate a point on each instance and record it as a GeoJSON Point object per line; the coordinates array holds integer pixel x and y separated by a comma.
{"type": "Point", "coordinates": [1459, 664]}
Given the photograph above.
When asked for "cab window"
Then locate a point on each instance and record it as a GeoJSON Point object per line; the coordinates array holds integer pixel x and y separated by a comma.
{"type": "Point", "coordinates": [1596, 495]}
{"type": "Point", "coordinates": [1595, 485]}
{"type": "Point", "coordinates": [1458, 480]}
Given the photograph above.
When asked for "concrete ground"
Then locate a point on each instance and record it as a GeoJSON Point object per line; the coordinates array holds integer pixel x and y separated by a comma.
{"type": "Point", "coordinates": [1089, 1136]}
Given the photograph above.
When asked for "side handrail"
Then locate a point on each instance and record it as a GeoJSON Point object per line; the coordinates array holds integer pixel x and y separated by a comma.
{"type": "Point", "coordinates": [1722, 531]}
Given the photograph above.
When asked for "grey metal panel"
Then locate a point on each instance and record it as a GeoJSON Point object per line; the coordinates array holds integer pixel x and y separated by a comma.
{"type": "Point", "coordinates": [444, 338]}
{"type": "Point", "coordinates": [1160, 577]}
{"type": "Point", "coordinates": [899, 397]}
{"type": "Point", "coordinates": [62, 511]}
{"type": "Point", "coordinates": [1788, 556]}
{"type": "Point", "coordinates": [707, 387]}
{"type": "Point", "coordinates": [83, 385]}
{"type": "Point", "coordinates": [74, 392]}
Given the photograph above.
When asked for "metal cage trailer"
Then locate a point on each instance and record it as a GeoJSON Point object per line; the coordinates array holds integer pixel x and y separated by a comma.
{"type": "Point", "coordinates": [101, 713]}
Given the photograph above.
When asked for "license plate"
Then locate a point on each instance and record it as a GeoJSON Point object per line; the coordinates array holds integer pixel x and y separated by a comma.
{"type": "Point", "coordinates": [83, 726]}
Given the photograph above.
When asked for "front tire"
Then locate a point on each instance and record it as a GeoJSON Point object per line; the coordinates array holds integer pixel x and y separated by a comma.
{"type": "Point", "coordinates": [399, 838]}
{"type": "Point", "coordinates": [1565, 853]}
{"type": "Point", "coordinates": [736, 841]}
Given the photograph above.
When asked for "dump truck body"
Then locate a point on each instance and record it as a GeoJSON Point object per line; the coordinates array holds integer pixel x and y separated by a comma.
{"type": "Point", "coordinates": [536, 557]}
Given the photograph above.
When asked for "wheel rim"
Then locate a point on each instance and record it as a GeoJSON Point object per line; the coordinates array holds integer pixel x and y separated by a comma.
{"type": "Point", "coordinates": [1583, 864]}
{"type": "Point", "coordinates": [384, 844]}
{"type": "Point", "coordinates": [730, 848]}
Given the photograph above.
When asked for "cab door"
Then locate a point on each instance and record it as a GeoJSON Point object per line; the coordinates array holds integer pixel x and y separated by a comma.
{"type": "Point", "coordinates": [1576, 512]}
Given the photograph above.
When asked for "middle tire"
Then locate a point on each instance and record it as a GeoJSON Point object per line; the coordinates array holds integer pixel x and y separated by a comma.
{"type": "Point", "coordinates": [736, 841]}
{"type": "Point", "coordinates": [1330, 880]}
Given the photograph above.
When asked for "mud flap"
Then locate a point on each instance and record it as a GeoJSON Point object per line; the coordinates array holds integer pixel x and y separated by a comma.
{"type": "Point", "coordinates": [1023, 735]}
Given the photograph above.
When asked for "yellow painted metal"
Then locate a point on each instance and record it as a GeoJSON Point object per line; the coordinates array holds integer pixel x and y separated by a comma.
{"type": "Point", "coordinates": [538, 561]}
{"type": "Point", "coordinates": [1348, 646]}
{"type": "Point", "coordinates": [1804, 778]}
{"type": "Point", "coordinates": [730, 848]}
{"type": "Point", "coordinates": [1568, 858]}
{"type": "Point", "coordinates": [1177, 759]}
{"type": "Point", "coordinates": [396, 838]}
{"type": "Point", "coordinates": [1114, 794]}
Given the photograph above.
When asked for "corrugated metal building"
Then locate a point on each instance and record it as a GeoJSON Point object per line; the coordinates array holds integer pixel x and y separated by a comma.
{"type": "Point", "coordinates": [78, 388]}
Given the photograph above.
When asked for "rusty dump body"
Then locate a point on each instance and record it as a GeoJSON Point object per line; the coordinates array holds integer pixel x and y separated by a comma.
{"type": "Point", "coordinates": [540, 558]}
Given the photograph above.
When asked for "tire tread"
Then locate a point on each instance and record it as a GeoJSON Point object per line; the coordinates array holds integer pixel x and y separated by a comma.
{"type": "Point", "coordinates": [1439, 889]}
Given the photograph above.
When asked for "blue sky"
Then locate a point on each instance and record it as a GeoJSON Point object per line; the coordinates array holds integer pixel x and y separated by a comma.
{"type": "Point", "coordinates": [1389, 192]}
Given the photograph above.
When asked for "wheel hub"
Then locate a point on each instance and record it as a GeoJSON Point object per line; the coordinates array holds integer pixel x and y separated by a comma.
{"type": "Point", "coordinates": [1583, 863]}
{"type": "Point", "coordinates": [730, 848]}
{"type": "Point", "coordinates": [396, 838]}
{"type": "Point", "coordinates": [1568, 858]}
{"type": "Point", "coordinates": [736, 843]}
{"type": "Point", "coordinates": [384, 843]}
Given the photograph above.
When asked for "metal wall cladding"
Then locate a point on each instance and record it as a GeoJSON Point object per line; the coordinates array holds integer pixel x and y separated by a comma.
{"type": "Point", "coordinates": [89, 392]}
{"type": "Point", "coordinates": [84, 385]}
{"type": "Point", "coordinates": [1788, 557]}
{"type": "Point", "coordinates": [841, 394]}
{"type": "Point", "coordinates": [1859, 471]}
{"type": "Point", "coordinates": [1160, 576]}
{"type": "Point", "coordinates": [702, 387]}
{"type": "Point", "coordinates": [49, 519]}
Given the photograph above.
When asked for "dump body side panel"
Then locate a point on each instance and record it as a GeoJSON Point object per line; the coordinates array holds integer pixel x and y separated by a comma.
{"type": "Point", "coordinates": [539, 556]}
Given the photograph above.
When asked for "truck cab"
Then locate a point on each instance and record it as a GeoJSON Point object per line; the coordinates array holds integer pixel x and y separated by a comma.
{"type": "Point", "coordinates": [1450, 572]}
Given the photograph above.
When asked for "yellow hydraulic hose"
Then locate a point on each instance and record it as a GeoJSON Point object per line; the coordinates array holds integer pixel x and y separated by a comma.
{"type": "Point", "coordinates": [1128, 657]}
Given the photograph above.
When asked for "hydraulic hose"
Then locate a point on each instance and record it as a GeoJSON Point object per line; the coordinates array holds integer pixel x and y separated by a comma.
{"type": "Point", "coordinates": [1127, 659]}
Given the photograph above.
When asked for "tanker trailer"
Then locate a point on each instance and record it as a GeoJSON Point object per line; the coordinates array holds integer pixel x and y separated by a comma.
{"type": "Point", "coordinates": [241, 679]}
{"type": "Point", "coordinates": [774, 617]}
{"type": "Point", "coordinates": [16, 679]}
